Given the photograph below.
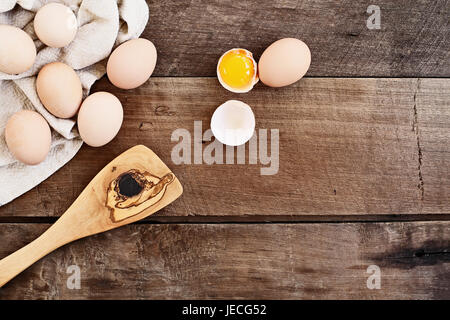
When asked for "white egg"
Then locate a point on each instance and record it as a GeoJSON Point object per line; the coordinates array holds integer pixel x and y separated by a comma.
{"type": "Point", "coordinates": [233, 123]}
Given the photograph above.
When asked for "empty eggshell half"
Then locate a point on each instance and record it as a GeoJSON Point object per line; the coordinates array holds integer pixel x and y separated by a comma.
{"type": "Point", "coordinates": [284, 62]}
{"type": "Point", "coordinates": [59, 88]}
{"type": "Point", "coordinates": [100, 118]}
{"type": "Point", "coordinates": [55, 25]}
{"type": "Point", "coordinates": [17, 50]}
{"type": "Point", "coordinates": [233, 123]}
{"type": "Point", "coordinates": [28, 137]}
{"type": "Point", "coordinates": [132, 63]}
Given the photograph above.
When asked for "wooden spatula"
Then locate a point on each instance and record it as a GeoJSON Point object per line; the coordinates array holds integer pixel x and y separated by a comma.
{"type": "Point", "coordinates": [131, 187]}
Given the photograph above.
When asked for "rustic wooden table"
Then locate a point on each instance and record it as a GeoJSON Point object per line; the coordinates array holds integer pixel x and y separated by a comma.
{"type": "Point", "coordinates": [364, 164]}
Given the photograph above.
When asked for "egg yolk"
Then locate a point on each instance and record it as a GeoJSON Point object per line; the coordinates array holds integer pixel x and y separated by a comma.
{"type": "Point", "coordinates": [237, 69]}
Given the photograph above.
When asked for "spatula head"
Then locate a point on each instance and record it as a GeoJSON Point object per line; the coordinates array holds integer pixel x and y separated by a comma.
{"type": "Point", "coordinates": [133, 186]}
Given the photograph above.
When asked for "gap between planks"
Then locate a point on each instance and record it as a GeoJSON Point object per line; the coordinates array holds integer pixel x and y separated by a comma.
{"type": "Point", "coordinates": [257, 219]}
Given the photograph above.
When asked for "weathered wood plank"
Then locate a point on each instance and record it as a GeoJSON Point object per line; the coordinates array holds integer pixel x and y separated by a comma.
{"type": "Point", "coordinates": [346, 147]}
{"type": "Point", "coordinates": [245, 261]}
{"type": "Point", "coordinates": [433, 131]}
{"type": "Point", "coordinates": [413, 40]}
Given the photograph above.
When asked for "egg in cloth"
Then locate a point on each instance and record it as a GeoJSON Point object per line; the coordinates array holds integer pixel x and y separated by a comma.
{"type": "Point", "coordinates": [28, 137]}
{"type": "Point", "coordinates": [55, 25]}
{"type": "Point", "coordinates": [17, 50]}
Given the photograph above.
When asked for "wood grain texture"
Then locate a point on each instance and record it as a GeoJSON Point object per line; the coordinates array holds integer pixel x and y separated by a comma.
{"type": "Point", "coordinates": [413, 40]}
{"type": "Point", "coordinates": [252, 261]}
{"type": "Point", "coordinates": [347, 147]}
{"type": "Point", "coordinates": [108, 202]}
{"type": "Point", "coordinates": [433, 133]}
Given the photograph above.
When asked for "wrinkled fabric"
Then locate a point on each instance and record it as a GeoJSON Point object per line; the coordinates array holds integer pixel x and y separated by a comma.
{"type": "Point", "coordinates": [102, 25]}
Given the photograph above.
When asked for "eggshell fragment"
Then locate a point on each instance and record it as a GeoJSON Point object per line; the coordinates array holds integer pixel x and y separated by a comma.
{"type": "Point", "coordinates": [59, 89]}
{"type": "Point", "coordinates": [233, 123]}
{"type": "Point", "coordinates": [284, 62]}
{"type": "Point", "coordinates": [28, 137]}
{"type": "Point", "coordinates": [132, 63]}
{"type": "Point", "coordinates": [100, 118]}
{"type": "Point", "coordinates": [17, 50]}
{"type": "Point", "coordinates": [55, 25]}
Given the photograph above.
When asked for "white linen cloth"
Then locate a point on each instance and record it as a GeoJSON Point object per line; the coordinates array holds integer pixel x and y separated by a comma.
{"type": "Point", "coordinates": [103, 24]}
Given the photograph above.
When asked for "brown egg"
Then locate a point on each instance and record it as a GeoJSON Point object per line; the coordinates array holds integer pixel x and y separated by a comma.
{"type": "Point", "coordinates": [28, 137]}
{"type": "Point", "coordinates": [55, 25]}
{"type": "Point", "coordinates": [17, 50]}
{"type": "Point", "coordinates": [59, 89]}
{"type": "Point", "coordinates": [100, 118]}
{"type": "Point", "coordinates": [284, 62]}
{"type": "Point", "coordinates": [132, 63]}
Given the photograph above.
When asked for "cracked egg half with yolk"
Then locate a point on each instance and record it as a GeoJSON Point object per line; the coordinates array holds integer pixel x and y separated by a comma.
{"type": "Point", "coordinates": [237, 71]}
